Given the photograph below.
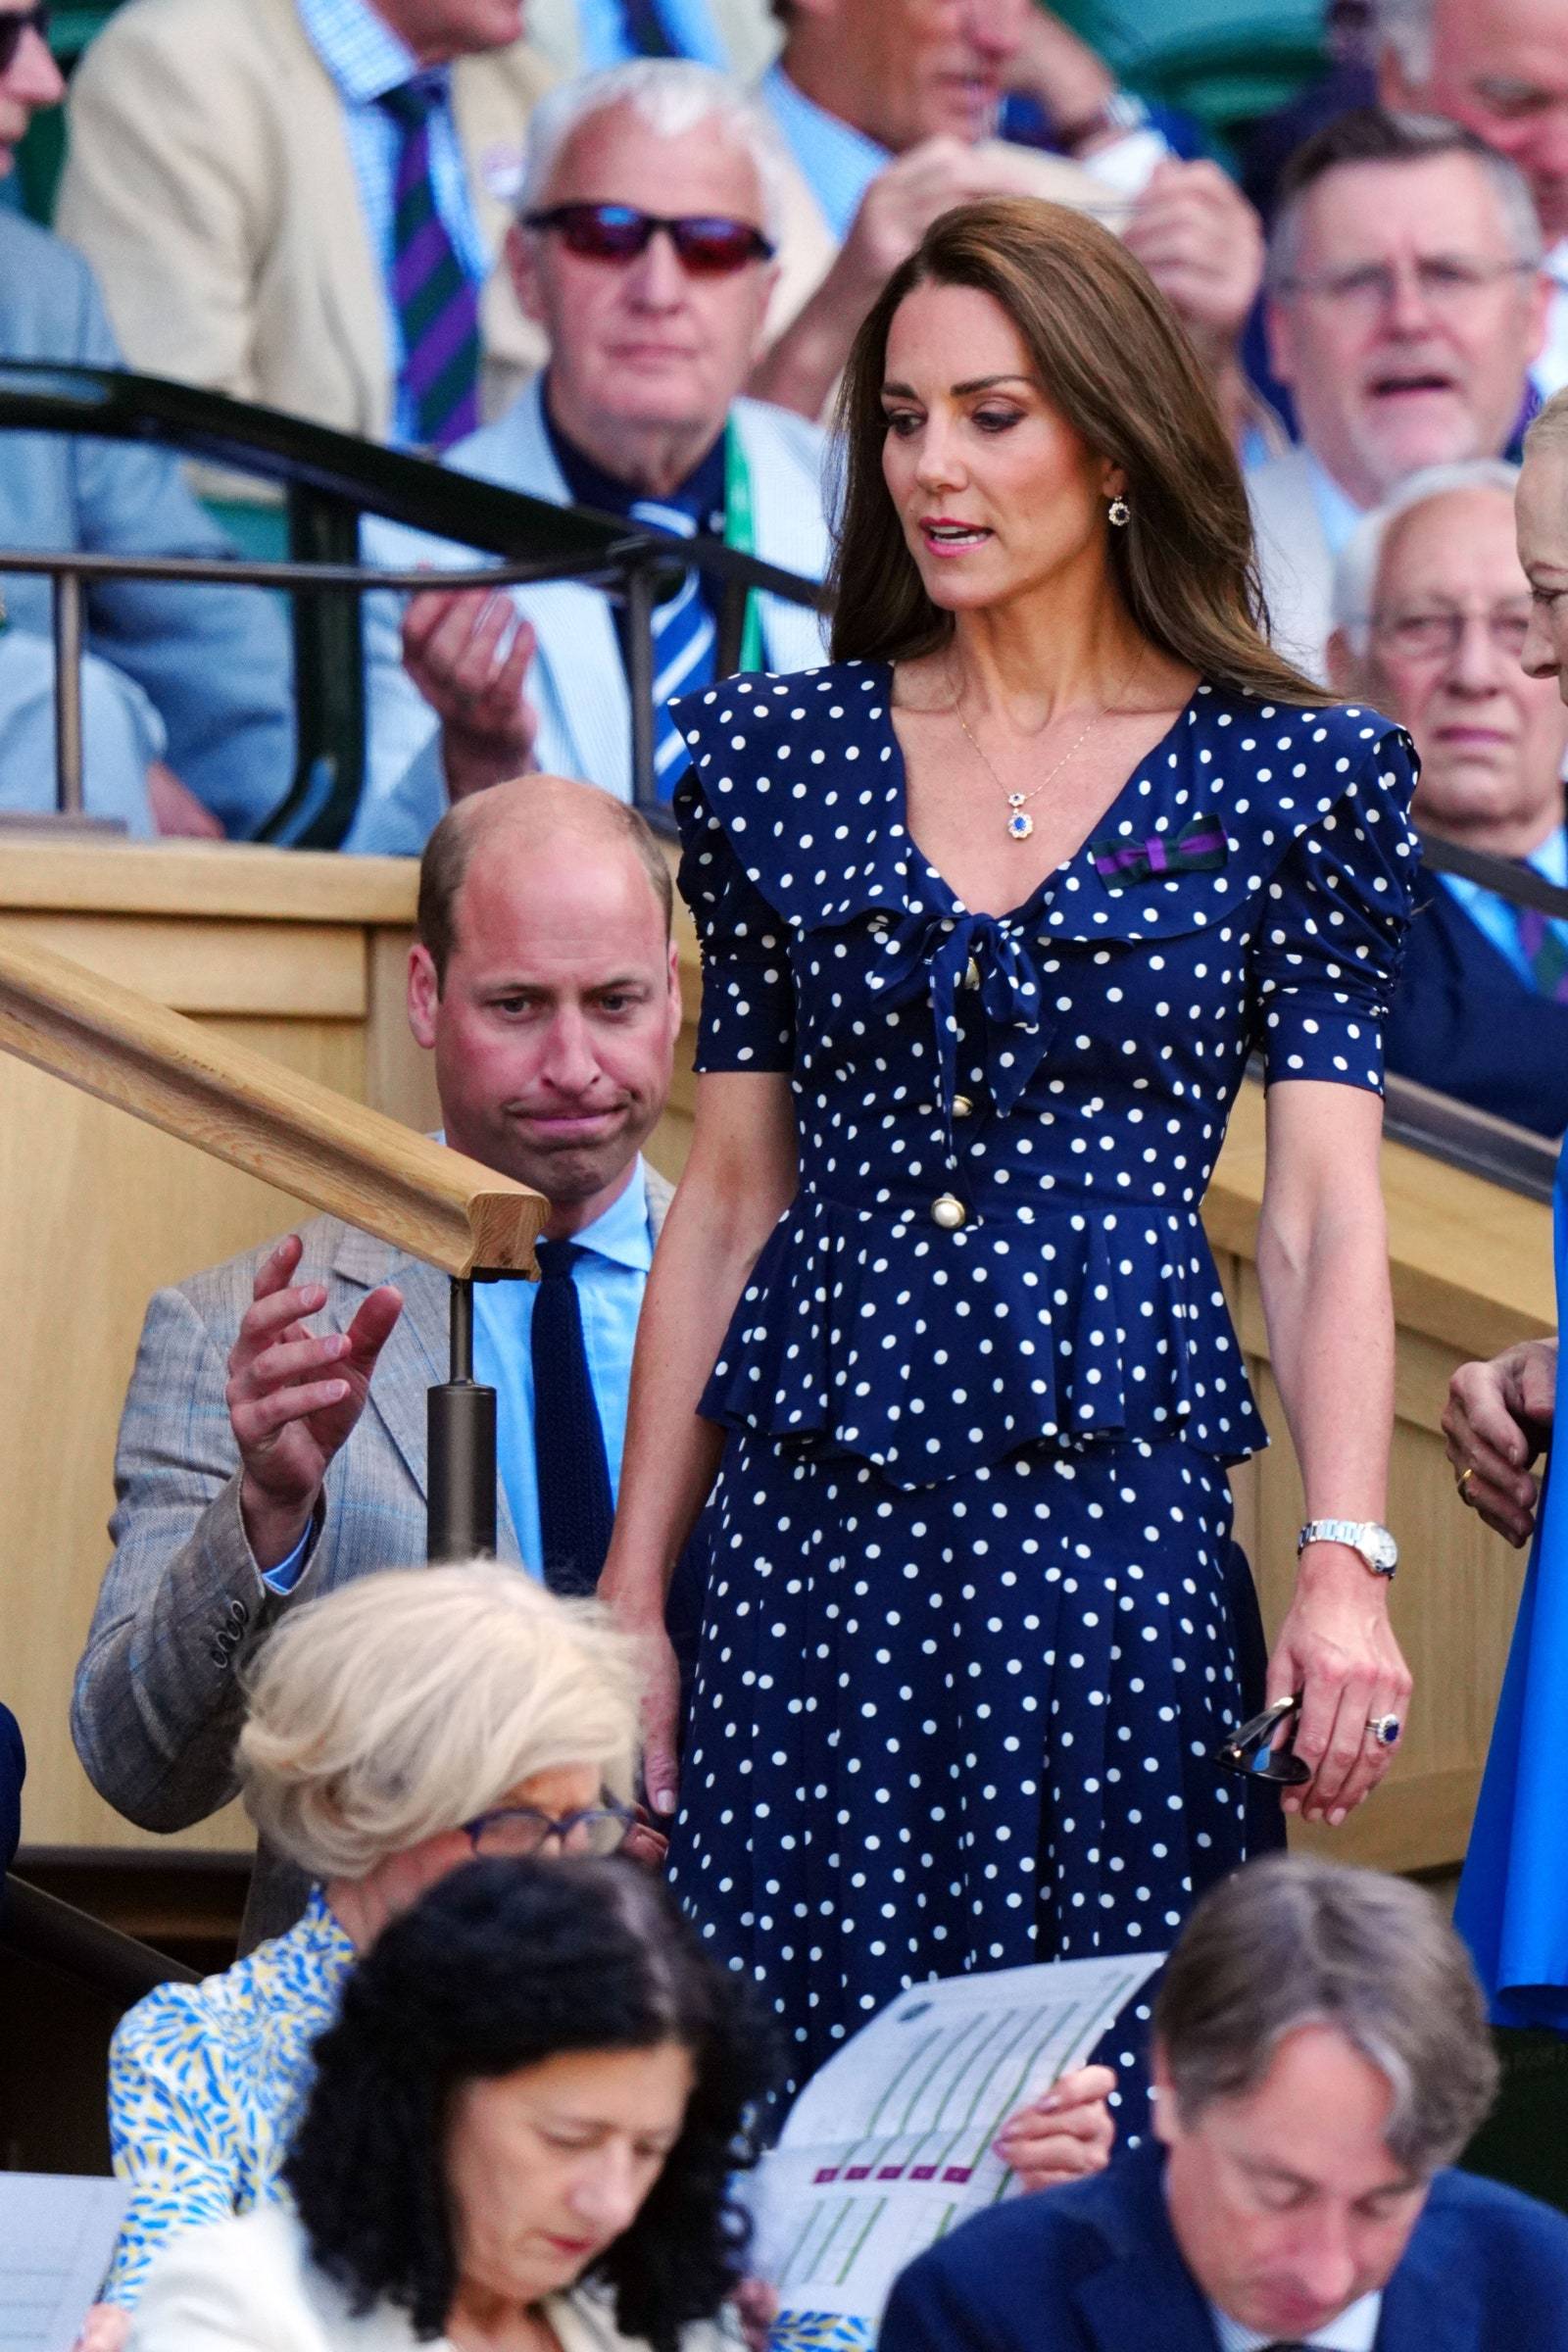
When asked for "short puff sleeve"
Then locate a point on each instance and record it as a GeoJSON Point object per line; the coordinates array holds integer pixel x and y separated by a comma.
{"type": "Point", "coordinates": [747, 1015]}
{"type": "Point", "coordinates": [1332, 937]}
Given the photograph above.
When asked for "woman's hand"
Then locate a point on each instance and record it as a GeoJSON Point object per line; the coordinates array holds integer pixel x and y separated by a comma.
{"type": "Point", "coordinates": [104, 2329]}
{"type": "Point", "coordinates": [1337, 1648]}
{"type": "Point", "coordinates": [658, 1677]}
{"type": "Point", "coordinates": [1496, 1422]}
{"type": "Point", "coordinates": [1064, 2134]}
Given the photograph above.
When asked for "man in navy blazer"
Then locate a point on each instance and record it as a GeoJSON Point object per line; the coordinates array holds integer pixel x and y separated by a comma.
{"type": "Point", "coordinates": [1431, 607]}
{"type": "Point", "coordinates": [187, 715]}
{"type": "Point", "coordinates": [1321, 2054]}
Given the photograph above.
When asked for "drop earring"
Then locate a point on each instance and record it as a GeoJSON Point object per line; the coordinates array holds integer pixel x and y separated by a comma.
{"type": "Point", "coordinates": [1119, 512]}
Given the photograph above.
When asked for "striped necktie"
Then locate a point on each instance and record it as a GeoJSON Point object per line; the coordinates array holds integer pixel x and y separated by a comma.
{"type": "Point", "coordinates": [684, 646]}
{"type": "Point", "coordinates": [437, 303]}
{"type": "Point", "coordinates": [1542, 943]}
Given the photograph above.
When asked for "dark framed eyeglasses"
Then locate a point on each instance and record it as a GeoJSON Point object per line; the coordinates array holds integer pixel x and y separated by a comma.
{"type": "Point", "coordinates": [1264, 1750]}
{"type": "Point", "coordinates": [513, 1831]}
{"type": "Point", "coordinates": [708, 244]}
{"type": "Point", "coordinates": [13, 28]}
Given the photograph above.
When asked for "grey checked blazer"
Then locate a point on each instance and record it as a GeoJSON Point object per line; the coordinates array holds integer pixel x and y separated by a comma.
{"type": "Point", "coordinates": [157, 1705]}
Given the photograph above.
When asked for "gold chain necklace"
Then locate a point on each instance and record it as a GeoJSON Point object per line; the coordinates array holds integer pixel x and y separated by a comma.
{"type": "Point", "coordinates": [1020, 824]}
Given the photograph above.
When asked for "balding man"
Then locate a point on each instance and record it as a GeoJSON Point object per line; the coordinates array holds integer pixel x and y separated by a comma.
{"type": "Point", "coordinates": [274, 1439]}
{"type": "Point", "coordinates": [1500, 68]}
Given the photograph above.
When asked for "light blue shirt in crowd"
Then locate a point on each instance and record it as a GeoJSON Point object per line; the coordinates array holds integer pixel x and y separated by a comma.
{"type": "Point", "coordinates": [1337, 514]}
{"type": "Point", "coordinates": [688, 27]}
{"type": "Point", "coordinates": [365, 58]}
{"type": "Point", "coordinates": [837, 162]}
{"type": "Point", "coordinates": [1498, 916]}
{"type": "Point", "coordinates": [610, 1278]}
{"type": "Point", "coordinates": [1354, 2330]}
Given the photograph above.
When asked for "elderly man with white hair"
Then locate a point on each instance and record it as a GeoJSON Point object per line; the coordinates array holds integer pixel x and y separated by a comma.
{"type": "Point", "coordinates": [1500, 68]}
{"type": "Point", "coordinates": [1430, 609]}
{"type": "Point", "coordinates": [1404, 306]}
{"type": "Point", "coordinates": [644, 245]}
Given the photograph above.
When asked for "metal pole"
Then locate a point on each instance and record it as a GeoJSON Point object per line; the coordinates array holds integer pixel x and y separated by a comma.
{"type": "Point", "coordinates": [461, 1455]}
{"type": "Point", "coordinates": [68, 610]}
{"type": "Point", "coordinates": [640, 680]}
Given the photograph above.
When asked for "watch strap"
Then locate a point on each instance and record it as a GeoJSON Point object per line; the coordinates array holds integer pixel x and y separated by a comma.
{"type": "Point", "coordinates": [1357, 1535]}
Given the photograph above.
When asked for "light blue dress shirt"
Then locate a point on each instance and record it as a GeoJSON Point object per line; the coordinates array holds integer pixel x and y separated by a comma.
{"type": "Point", "coordinates": [606, 41]}
{"type": "Point", "coordinates": [610, 1278]}
{"type": "Point", "coordinates": [365, 58]}
{"type": "Point", "coordinates": [1354, 2330]}
{"type": "Point", "coordinates": [1498, 916]}
{"type": "Point", "coordinates": [837, 162]}
{"type": "Point", "coordinates": [1337, 514]}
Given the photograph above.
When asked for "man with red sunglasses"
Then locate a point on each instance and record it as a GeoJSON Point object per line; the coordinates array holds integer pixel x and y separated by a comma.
{"type": "Point", "coordinates": [645, 248]}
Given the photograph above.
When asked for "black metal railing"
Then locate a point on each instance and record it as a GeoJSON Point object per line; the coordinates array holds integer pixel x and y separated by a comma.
{"type": "Point", "coordinates": [330, 480]}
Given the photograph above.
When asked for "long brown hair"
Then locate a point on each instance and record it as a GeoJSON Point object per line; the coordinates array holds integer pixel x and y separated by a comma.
{"type": "Point", "coordinates": [1115, 362]}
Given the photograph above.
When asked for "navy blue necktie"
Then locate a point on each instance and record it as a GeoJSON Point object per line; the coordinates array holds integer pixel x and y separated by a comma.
{"type": "Point", "coordinates": [645, 29]}
{"type": "Point", "coordinates": [576, 1510]}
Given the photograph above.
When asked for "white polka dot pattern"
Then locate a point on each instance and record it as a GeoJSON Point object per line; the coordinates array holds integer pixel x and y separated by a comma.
{"type": "Point", "coordinates": [1008, 1123]}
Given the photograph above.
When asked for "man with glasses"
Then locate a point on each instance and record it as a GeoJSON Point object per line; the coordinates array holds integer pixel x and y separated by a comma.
{"type": "Point", "coordinates": [1406, 305]}
{"type": "Point", "coordinates": [1430, 609]}
{"type": "Point", "coordinates": [644, 246]}
{"type": "Point", "coordinates": [1500, 68]}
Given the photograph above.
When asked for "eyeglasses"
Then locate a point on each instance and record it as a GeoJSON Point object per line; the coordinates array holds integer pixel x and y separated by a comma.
{"type": "Point", "coordinates": [1436, 636]}
{"type": "Point", "coordinates": [12, 28]}
{"type": "Point", "coordinates": [515, 1831]}
{"type": "Point", "coordinates": [1264, 1750]}
{"type": "Point", "coordinates": [708, 244]}
{"type": "Point", "coordinates": [1447, 282]}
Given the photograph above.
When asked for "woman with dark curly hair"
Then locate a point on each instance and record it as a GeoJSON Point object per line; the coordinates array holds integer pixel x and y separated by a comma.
{"type": "Point", "coordinates": [520, 2138]}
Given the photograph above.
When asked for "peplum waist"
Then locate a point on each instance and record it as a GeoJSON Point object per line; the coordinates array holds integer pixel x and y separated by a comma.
{"type": "Point", "coordinates": [873, 1332]}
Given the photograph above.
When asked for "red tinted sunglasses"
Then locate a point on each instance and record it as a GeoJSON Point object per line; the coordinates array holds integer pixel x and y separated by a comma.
{"type": "Point", "coordinates": [708, 244]}
{"type": "Point", "coordinates": [12, 28]}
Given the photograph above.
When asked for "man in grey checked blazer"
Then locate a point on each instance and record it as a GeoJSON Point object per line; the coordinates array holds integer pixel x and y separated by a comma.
{"type": "Point", "coordinates": [275, 1419]}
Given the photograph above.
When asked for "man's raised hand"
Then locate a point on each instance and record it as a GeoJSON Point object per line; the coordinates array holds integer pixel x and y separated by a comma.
{"type": "Point", "coordinates": [294, 1395]}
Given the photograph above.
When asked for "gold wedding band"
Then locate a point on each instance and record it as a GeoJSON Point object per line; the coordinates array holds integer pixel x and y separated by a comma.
{"type": "Point", "coordinates": [1465, 1476]}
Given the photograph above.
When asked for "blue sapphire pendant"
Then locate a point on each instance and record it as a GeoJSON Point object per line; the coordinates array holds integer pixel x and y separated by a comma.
{"type": "Point", "coordinates": [1020, 824]}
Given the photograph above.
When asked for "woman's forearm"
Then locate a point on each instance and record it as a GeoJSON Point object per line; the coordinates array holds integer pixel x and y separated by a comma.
{"type": "Point", "coordinates": [738, 1179]}
{"type": "Point", "coordinates": [1330, 1319]}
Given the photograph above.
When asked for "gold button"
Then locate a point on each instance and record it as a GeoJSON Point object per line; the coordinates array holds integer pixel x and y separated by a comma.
{"type": "Point", "coordinates": [962, 1107]}
{"type": "Point", "coordinates": [971, 977]}
{"type": "Point", "coordinates": [948, 1211]}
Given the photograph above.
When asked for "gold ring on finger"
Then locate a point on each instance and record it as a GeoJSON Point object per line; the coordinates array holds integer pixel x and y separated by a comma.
{"type": "Point", "coordinates": [1465, 1476]}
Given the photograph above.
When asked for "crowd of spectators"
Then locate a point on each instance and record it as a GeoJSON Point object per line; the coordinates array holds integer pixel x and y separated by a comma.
{"type": "Point", "coordinates": [439, 221]}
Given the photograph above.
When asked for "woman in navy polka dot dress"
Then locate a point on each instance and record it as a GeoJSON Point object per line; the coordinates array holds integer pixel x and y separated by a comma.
{"type": "Point", "coordinates": [993, 911]}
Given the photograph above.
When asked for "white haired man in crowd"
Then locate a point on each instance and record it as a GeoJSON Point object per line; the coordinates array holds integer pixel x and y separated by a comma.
{"type": "Point", "coordinates": [644, 245]}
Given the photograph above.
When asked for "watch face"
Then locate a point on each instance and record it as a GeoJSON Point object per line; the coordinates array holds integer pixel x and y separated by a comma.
{"type": "Point", "coordinates": [1385, 1551]}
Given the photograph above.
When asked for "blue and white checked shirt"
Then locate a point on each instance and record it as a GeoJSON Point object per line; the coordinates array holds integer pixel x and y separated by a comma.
{"type": "Point", "coordinates": [365, 58]}
{"type": "Point", "coordinates": [1354, 2330]}
{"type": "Point", "coordinates": [688, 27]}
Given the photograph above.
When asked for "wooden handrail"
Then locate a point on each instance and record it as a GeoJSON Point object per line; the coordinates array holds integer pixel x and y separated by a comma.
{"type": "Point", "coordinates": [232, 1102]}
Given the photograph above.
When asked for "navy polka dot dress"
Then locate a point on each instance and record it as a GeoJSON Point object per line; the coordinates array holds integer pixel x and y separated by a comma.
{"type": "Point", "coordinates": [975, 1622]}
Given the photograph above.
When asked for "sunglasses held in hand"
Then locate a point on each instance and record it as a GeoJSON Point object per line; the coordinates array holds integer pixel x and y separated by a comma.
{"type": "Point", "coordinates": [707, 244]}
{"type": "Point", "coordinates": [1264, 1750]}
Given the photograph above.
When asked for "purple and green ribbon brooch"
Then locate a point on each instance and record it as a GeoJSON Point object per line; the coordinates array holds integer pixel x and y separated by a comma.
{"type": "Point", "coordinates": [1197, 848]}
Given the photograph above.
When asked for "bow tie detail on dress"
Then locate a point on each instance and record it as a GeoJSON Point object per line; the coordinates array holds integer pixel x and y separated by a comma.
{"type": "Point", "coordinates": [940, 958]}
{"type": "Point", "coordinates": [1199, 848]}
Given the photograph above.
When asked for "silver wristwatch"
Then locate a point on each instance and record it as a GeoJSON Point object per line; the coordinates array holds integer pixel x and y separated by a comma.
{"type": "Point", "coordinates": [1374, 1543]}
